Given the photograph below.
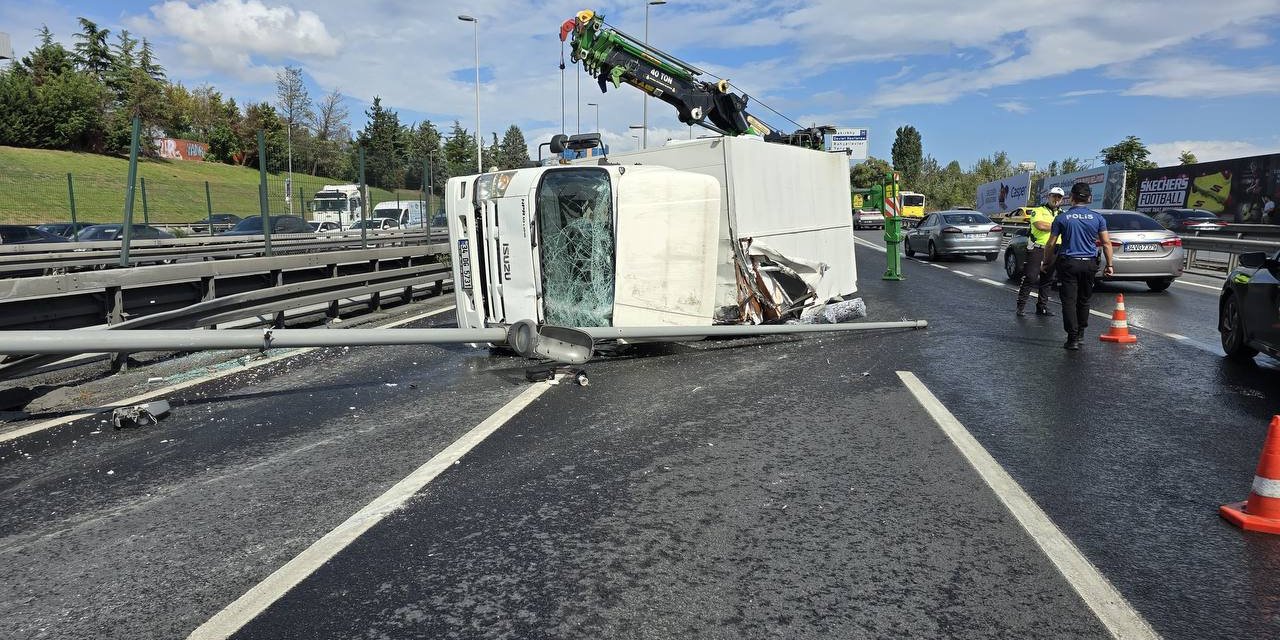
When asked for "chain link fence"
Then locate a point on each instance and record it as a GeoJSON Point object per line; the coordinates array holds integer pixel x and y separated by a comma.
{"type": "Point", "coordinates": [30, 198]}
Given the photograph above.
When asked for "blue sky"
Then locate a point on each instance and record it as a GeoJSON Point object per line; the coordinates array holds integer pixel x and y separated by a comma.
{"type": "Point", "coordinates": [1040, 80]}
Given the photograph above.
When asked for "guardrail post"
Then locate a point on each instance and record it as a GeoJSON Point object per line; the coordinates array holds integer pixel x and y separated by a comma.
{"type": "Point", "coordinates": [375, 298]}
{"type": "Point", "coordinates": [208, 291]}
{"type": "Point", "coordinates": [208, 205]}
{"type": "Point", "coordinates": [146, 217]}
{"type": "Point", "coordinates": [277, 280]}
{"type": "Point", "coordinates": [127, 231]}
{"type": "Point", "coordinates": [115, 315]}
{"type": "Point", "coordinates": [408, 291]}
{"type": "Point", "coordinates": [263, 203]}
{"type": "Point", "coordinates": [71, 198]}
{"type": "Point", "coordinates": [334, 307]}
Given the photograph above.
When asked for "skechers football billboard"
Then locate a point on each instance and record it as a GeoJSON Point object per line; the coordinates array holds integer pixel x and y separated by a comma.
{"type": "Point", "coordinates": [1236, 190]}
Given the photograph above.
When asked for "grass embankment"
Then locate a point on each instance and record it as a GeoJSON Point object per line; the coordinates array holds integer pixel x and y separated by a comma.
{"type": "Point", "coordinates": [33, 188]}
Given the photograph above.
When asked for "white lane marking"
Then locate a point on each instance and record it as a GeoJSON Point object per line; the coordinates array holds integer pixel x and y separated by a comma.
{"type": "Point", "coordinates": [991, 282]}
{"type": "Point", "coordinates": [1197, 284]}
{"type": "Point", "coordinates": [56, 422]}
{"type": "Point", "coordinates": [256, 600]}
{"type": "Point", "coordinates": [934, 264]}
{"type": "Point", "coordinates": [1098, 593]}
{"type": "Point", "coordinates": [963, 273]}
{"type": "Point", "coordinates": [1176, 336]}
{"type": "Point", "coordinates": [870, 245]}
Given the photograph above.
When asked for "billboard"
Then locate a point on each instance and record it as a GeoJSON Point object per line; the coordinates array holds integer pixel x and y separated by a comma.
{"type": "Point", "coordinates": [1107, 184]}
{"type": "Point", "coordinates": [1237, 190]}
{"type": "Point", "coordinates": [175, 149]}
{"type": "Point", "coordinates": [1000, 196]}
{"type": "Point", "coordinates": [850, 139]}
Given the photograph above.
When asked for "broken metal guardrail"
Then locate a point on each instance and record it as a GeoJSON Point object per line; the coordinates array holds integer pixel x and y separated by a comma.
{"type": "Point", "coordinates": [39, 258]}
{"type": "Point", "coordinates": [254, 303]}
{"type": "Point", "coordinates": [95, 341]}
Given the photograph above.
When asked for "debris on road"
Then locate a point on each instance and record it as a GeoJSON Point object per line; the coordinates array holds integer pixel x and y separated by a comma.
{"type": "Point", "coordinates": [140, 415]}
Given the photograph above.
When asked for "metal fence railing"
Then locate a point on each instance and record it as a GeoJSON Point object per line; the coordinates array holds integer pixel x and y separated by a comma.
{"type": "Point", "coordinates": [30, 197]}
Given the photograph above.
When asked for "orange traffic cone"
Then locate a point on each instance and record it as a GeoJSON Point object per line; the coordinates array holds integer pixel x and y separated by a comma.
{"type": "Point", "coordinates": [1261, 512]}
{"type": "Point", "coordinates": [1119, 331]}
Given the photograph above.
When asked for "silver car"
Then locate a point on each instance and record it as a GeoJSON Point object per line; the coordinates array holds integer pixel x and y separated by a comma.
{"type": "Point", "coordinates": [945, 233]}
{"type": "Point", "coordinates": [1143, 249]}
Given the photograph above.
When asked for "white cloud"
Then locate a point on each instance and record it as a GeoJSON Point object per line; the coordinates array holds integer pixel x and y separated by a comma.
{"type": "Point", "coordinates": [1014, 106]}
{"type": "Point", "coordinates": [1085, 92]}
{"type": "Point", "coordinates": [229, 36]}
{"type": "Point", "coordinates": [1166, 153]}
{"type": "Point", "coordinates": [1188, 78]}
{"type": "Point", "coordinates": [1250, 40]}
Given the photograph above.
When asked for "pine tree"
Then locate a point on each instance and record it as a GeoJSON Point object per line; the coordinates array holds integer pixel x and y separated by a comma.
{"type": "Point", "coordinates": [907, 155]}
{"type": "Point", "coordinates": [91, 50]}
{"type": "Point", "coordinates": [383, 159]}
{"type": "Point", "coordinates": [513, 151]}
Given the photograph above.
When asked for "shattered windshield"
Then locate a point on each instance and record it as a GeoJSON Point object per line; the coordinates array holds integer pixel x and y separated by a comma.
{"type": "Point", "coordinates": [575, 224]}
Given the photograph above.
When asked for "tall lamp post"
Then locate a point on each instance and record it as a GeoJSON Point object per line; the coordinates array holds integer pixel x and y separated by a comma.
{"type": "Point", "coordinates": [597, 108]}
{"type": "Point", "coordinates": [479, 136]}
{"type": "Point", "coordinates": [644, 136]}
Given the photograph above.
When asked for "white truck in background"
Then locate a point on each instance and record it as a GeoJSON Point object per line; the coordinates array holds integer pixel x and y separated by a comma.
{"type": "Point", "coordinates": [731, 230]}
{"type": "Point", "coordinates": [340, 203]}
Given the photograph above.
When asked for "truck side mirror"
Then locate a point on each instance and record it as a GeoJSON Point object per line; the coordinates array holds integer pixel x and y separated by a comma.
{"type": "Point", "coordinates": [561, 344]}
{"type": "Point", "coordinates": [558, 143]}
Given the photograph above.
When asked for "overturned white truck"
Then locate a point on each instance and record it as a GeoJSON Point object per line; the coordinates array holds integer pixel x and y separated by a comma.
{"type": "Point", "coordinates": [729, 230]}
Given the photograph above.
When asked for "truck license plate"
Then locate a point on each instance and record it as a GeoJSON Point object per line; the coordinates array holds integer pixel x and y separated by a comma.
{"type": "Point", "coordinates": [464, 263]}
{"type": "Point", "coordinates": [1140, 247]}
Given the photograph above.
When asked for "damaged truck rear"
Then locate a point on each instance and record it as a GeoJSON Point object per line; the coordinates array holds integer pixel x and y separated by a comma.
{"type": "Point", "coordinates": [731, 230]}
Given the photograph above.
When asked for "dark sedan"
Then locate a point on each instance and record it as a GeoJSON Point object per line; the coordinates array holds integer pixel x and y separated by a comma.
{"type": "Point", "coordinates": [1249, 308]}
{"type": "Point", "coordinates": [219, 221]}
{"type": "Point", "coordinates": [279, 224]}
{"type": "Point", "coordinates": [107, 232]}
{"type": "Point", "coordinates": [18, 234]}
{"type": "Point", "coordinates": [1184, 220]}
{"type": "Point", "coordinates": [65, 229]}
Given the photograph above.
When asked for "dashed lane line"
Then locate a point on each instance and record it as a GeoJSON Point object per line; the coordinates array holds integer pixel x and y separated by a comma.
{"type": "Point", "coordinates": [963, 273]}
{"type": "Point", "coordinates": [291, 353]}
{"type": "Point", "coordinates": [1106, 602]}
{"type": "Point", "coordinates": [256, 600]}
{"type": "Point", "coordinates": [991, 282]}
{"type": "Point", "coordinates": [1197, 284]}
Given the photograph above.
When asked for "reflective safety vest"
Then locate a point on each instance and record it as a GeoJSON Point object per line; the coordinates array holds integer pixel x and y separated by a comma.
{"type": "Point", "coordinates": [1041, 214]}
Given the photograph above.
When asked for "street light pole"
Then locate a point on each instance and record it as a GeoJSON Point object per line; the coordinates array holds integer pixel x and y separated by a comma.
{"type": "Point", "coordinates": [645, 117]}
{"type": "Point", "coordinates": [479, 136]}
{"type": "Point", "coordinates": [597, 107]}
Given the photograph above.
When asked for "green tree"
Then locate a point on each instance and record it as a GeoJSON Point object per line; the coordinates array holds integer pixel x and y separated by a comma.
{"type": "Point", "coordinates": [1072, 165]}
{"type": "Point", "coordinates": [263, 116]}
{"type": "Point", "coordinates": [1133, 154]}
{"type": "Point", "coordinates": [1186, 157]}
{"type": "Point", "coordinates": [46, 61]}
{"type": "Point", "coordinates": [295, 106]}
{"type": "Point", "coordinates": [869, 172]}
{"type": "Point", "coordinates": [381, 140]}
{"type": "Point", "coordinates": [92, 53]}
{"type": "Point", "coordinates": [424, 145]}
{"type": "Point", "coordinates": [490, 153]}
{"type": "Point", "coordinates": [332, 126]}
{"type": "Point", "coordinates": [460, 152]}
{"type": "Point", "coordinates": [908, 154]}
{"type": "Point", "coordinates": [514, 151]}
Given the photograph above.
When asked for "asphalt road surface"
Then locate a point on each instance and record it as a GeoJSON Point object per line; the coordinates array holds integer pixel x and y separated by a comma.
{"type": "Point", "coordinates": [751, 488]}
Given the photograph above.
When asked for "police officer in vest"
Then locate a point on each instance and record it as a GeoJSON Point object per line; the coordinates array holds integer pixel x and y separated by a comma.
{"type": "Point", "coordinates": [1041, 220]}
{"type": "Point", "coordinates": [1073, 249]}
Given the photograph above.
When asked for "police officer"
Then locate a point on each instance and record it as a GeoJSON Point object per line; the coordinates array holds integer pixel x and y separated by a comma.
{"type": "Point", "coordinates": [1040, 222]}
{"type": "Point", "coordinates": [1073, 249]}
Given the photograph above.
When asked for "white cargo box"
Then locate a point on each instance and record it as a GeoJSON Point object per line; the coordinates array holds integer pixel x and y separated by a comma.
{"type": "Point", "coordinates": [791, 203]}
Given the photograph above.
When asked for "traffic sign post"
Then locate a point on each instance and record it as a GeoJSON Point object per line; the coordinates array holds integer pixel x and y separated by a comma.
{"type": "Point", "coordinates": [892, 230]}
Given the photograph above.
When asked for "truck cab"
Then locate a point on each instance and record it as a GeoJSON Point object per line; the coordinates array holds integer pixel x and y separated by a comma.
{"type": "Point", "coordinates": [584, 246]}
{"type": "Point", "coordinates": [341, 203]}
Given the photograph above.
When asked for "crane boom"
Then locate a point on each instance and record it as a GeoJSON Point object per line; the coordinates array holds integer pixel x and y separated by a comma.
{"type": "Point", "coordinates": [614, 57]}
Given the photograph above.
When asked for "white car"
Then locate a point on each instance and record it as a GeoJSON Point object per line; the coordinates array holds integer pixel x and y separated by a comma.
{"type": "Point", "coordinates": [325, 227]}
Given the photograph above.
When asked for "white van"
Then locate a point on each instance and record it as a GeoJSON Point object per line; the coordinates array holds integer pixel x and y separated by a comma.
{"type": "Point", "coordinates": [411, 214]}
